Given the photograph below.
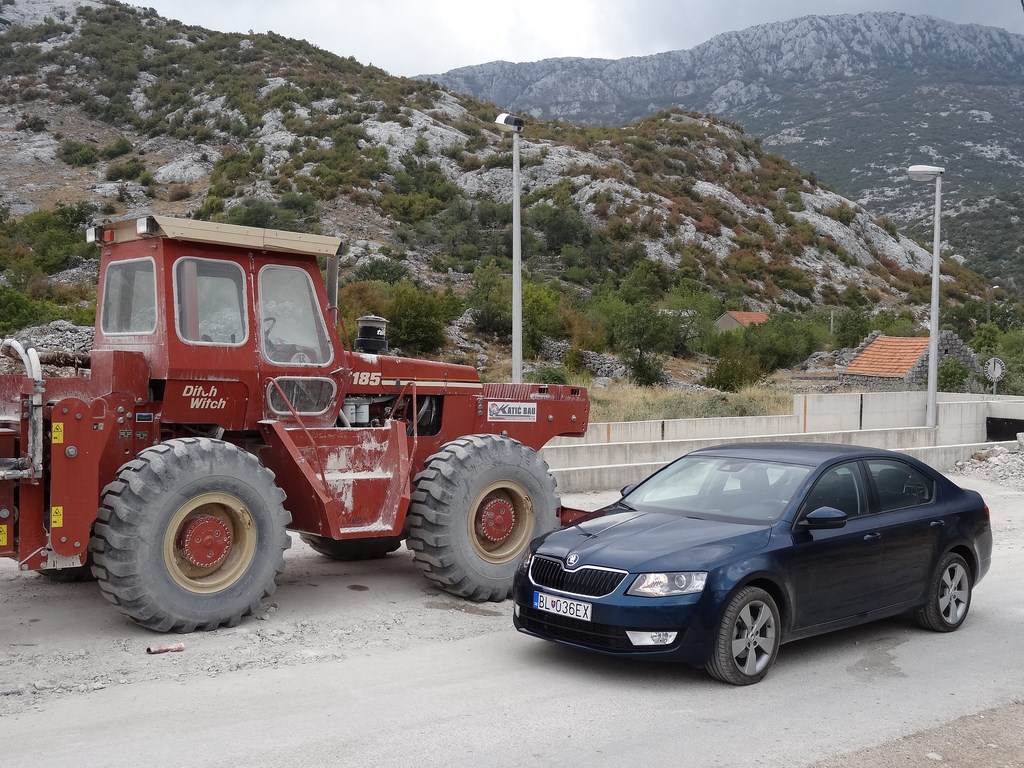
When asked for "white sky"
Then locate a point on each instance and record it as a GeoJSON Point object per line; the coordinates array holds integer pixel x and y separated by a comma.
{"type": "Point", "coordinates": [412, 37]}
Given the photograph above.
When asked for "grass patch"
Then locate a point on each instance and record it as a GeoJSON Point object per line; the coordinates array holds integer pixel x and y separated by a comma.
{"type": "Point", "coordinates": [628, 402]}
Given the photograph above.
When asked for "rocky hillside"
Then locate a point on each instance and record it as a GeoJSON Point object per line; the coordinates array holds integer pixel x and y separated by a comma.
{"type": "Point", "coordinates": [854, 99]}
{"type": "Point", "coordinates": [113, 107]}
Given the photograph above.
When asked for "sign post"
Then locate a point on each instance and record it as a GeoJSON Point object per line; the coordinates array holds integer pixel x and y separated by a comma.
{"type": "Point", "coordinates": [995, 369]}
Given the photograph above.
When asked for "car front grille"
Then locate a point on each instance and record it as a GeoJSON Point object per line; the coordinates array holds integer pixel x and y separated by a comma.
{"type": "Point", "coordinates": [586, 581]}
{"type": "Point", "coordinates": [599, 636]}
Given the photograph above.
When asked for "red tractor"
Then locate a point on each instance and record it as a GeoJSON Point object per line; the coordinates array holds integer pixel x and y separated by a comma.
{"type": "Point", "coordinates": [220, 410]}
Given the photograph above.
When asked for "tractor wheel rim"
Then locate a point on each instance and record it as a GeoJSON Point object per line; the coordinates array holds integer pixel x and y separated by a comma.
{"type": "Point", "coordinates": [205, 541]}
{"type": "Point", "coordinates": [501, 521]}
{"type": "Point", "coordinates": [213, 562]}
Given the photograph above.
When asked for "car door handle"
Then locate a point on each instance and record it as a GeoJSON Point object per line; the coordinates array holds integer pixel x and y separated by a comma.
{"type": "Point", "coordinates": [938, 523]}
{"type": "Point", "coordinates": [872, 536]}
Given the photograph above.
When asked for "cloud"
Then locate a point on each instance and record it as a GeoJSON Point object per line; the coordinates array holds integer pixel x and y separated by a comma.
{"type": "Point", "coordinates": [410, 37]}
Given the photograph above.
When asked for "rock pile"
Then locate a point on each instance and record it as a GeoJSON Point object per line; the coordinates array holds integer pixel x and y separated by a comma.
{"type": "Point", "coordinates": [997, 465]}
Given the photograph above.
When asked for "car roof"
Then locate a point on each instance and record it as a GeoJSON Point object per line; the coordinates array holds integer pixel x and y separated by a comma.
{"type": "Point", "coordinates": [810, 454]}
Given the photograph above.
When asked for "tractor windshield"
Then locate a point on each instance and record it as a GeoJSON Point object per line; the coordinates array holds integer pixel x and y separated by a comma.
{"type": "Point", "coordinates": [293, 326]}
{"type": "Point", "coordinates": [210, 302]}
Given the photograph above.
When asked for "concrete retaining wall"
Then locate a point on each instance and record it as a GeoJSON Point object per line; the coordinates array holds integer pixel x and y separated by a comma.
{"type": "Point", "coordinates": [619, 453]}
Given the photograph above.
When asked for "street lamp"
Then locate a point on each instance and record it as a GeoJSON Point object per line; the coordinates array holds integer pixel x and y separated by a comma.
{"type": "Point", "coordinates": [928, 173]}
{"type": "Point", "coordinates": [514, 125]}
{"type": "Point", "coordinates": [988, 305]}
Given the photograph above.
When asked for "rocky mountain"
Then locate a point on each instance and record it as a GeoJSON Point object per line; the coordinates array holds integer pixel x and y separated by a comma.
{"type": "Point", "coordinates": [111, 106]}
{"type": "Point", "coordinates": [853, 99]}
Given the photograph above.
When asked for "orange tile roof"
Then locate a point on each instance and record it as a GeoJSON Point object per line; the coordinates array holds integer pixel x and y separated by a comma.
{"type": "Point", "coordinates": [749, 318]}
{"type": "Point", "coordinates": [889, 356]}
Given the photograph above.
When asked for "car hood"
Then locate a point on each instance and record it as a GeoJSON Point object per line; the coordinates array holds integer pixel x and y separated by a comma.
{"type": "Point", "coordinates": [653, 541]}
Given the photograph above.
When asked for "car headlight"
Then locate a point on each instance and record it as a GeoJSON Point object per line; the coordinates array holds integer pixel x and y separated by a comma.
{"type": "Point", "coordinates": [524, 565]}
{"type": "Point", "coordinates": [666, 584]}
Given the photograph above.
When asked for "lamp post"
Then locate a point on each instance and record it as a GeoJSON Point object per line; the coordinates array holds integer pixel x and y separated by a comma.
{"type": "Point", "coordinates": [514, 125]}
{"type": "Point", "coordinates": [929, 173]}
{"type": "Point", "coordinates": [988, 303]}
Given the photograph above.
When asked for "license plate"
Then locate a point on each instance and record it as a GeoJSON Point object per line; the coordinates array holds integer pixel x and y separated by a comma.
{"type": "Point", "coordinates": [561, 606]}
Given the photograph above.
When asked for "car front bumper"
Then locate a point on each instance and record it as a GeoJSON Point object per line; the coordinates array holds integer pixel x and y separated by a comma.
{"type": "Point", "coordinates": [694, 619]}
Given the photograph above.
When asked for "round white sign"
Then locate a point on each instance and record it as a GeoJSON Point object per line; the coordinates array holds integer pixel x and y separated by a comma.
{"type": "Point", "coordinates": [995, 369]}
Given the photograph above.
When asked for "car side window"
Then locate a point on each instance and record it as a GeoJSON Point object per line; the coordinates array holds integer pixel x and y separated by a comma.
{"type": "Point", "coordinates": [900, 485]}
{"type": "Point", "coordinates": [840, 487]}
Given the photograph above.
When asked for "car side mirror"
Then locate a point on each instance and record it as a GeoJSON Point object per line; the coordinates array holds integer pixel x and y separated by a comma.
{"type": "Point", "coordinates": [628, 488]}
{"type": "Point", "coordinates": [824, 518]}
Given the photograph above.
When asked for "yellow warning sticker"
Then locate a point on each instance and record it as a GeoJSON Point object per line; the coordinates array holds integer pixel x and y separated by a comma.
{"type": "Point", "coordinates": [56, 517]}
{"type": "Point", "coordinates": [3, 535]}
{"type": "Point", "coordinates": [57, 433]}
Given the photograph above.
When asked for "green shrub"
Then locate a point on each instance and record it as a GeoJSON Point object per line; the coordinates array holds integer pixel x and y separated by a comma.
{"type": "Point", "coordinates": [547, 374]}
{"type": "Point", "coordinates": [734, 370]}
{"type": "Point", "coordinates": [77, 154]}
{"type": "Point", "coordinates": [842, 213]}
{"type": "Point", "coordinates": [117, 148]}
{"type": "Point", "coordinates": [129, 171]}
{"type": "Point", "coordinates": [953, 375]}
{"type": "Point", "coordinates": [384, 270]}
{"type": "Point", "coordinates": [416, 319]}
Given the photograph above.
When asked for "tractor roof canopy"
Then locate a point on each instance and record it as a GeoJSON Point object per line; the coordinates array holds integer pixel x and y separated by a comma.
{"type": "Point", "coordinates": [214, 233]}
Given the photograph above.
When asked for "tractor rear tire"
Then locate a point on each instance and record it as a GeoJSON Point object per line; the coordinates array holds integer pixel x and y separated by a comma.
{"type": "Point", "coordinates": [190, 535]}
{"type": "Point", "coordinates": [352, 549]}
{"type": "Point", "coordinates": [477, 504]}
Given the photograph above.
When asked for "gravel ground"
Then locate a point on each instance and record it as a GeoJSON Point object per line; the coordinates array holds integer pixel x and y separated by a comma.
{"type": "Point", "coordinates": [990, 739]}
{"type": "Point", "coordinates": [63, 642]}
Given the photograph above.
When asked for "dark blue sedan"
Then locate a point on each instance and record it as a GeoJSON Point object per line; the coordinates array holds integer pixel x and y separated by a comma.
{"type": "Point", "coordinates": [726, 553]}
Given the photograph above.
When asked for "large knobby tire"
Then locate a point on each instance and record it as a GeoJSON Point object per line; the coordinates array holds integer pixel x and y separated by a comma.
{"type": "Point", "coordinates": [190, 535]}
{"type": "Point", "coordinates": [949, 596]}
{"type": "Point", "coordinates": [477, 504]}
{"type": "Point", "coordinates": [352, 549]}
{"type": "Point", "coordinates": [748, 638]}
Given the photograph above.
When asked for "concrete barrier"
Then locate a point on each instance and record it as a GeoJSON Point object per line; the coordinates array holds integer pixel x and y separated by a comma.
{"type": "Point", "coordinates": [616, 454]}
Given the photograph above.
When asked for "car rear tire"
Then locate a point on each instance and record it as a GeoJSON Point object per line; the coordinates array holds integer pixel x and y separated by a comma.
{"type": "Point", "coordinates": [477, 504]}
{"type": "Point", "coordinates": [949, 597]}
{"type": "Point", "coordinates": [352, 549]}
{"type": "Point", "coordinates": [748, 638]}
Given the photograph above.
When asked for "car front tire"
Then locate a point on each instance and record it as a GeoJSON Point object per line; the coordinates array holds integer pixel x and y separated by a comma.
{"type": "Point", "coordinates": [748, 638]}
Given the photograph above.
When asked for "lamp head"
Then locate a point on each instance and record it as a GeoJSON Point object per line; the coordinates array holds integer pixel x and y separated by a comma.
{"type": "Point", "coordinates": [510, 123]}
{"type": "Point", "coordinates": [925, 172]}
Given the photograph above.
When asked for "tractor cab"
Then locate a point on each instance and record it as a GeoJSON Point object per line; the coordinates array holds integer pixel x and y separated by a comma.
{"type": "Point", "coordinates": [232, 321]}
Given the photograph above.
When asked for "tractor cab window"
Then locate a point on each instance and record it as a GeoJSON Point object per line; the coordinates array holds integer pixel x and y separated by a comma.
{"type": "Point", "coordinates": [129, 298]}
{"type": "Point", "coordinates": [292, 326]}
{"type": "Point", "coordinates": [209, 302]}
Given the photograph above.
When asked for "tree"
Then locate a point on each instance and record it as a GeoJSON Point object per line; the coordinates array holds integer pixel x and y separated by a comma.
{"type": "Point", "coordinates": [490, 298]}
{"type": "Point", "coordinates": [985, 341]}
{"type": "Point", "coordinates": [642, 336]}
{"type": "Point", "coordinates": [542, 317]}
{"type": "Point", "coordinates": [851, 328]}
{"type": "Point", "coordinates": [953, 375]}
{"type": "Point", "coordinates": [416, 319]}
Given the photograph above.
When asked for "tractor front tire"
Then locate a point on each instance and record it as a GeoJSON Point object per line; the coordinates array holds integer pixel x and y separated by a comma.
{"type": "Point", "coordinates": [190, 535]}
{"type": "Point", "coordinates": [477, 504]}
{"type": "Point", "coordinates": [352, 549]}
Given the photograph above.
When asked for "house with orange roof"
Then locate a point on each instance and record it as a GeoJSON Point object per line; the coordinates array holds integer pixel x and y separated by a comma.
{"type": "Point", "coordinates": [899, 362]}
{"type": "Point", "coordinates": [737, 319]}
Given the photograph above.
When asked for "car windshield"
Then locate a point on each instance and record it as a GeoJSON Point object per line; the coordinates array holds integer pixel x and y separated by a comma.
{"type": "Point", "coordinates": [721, 488]}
